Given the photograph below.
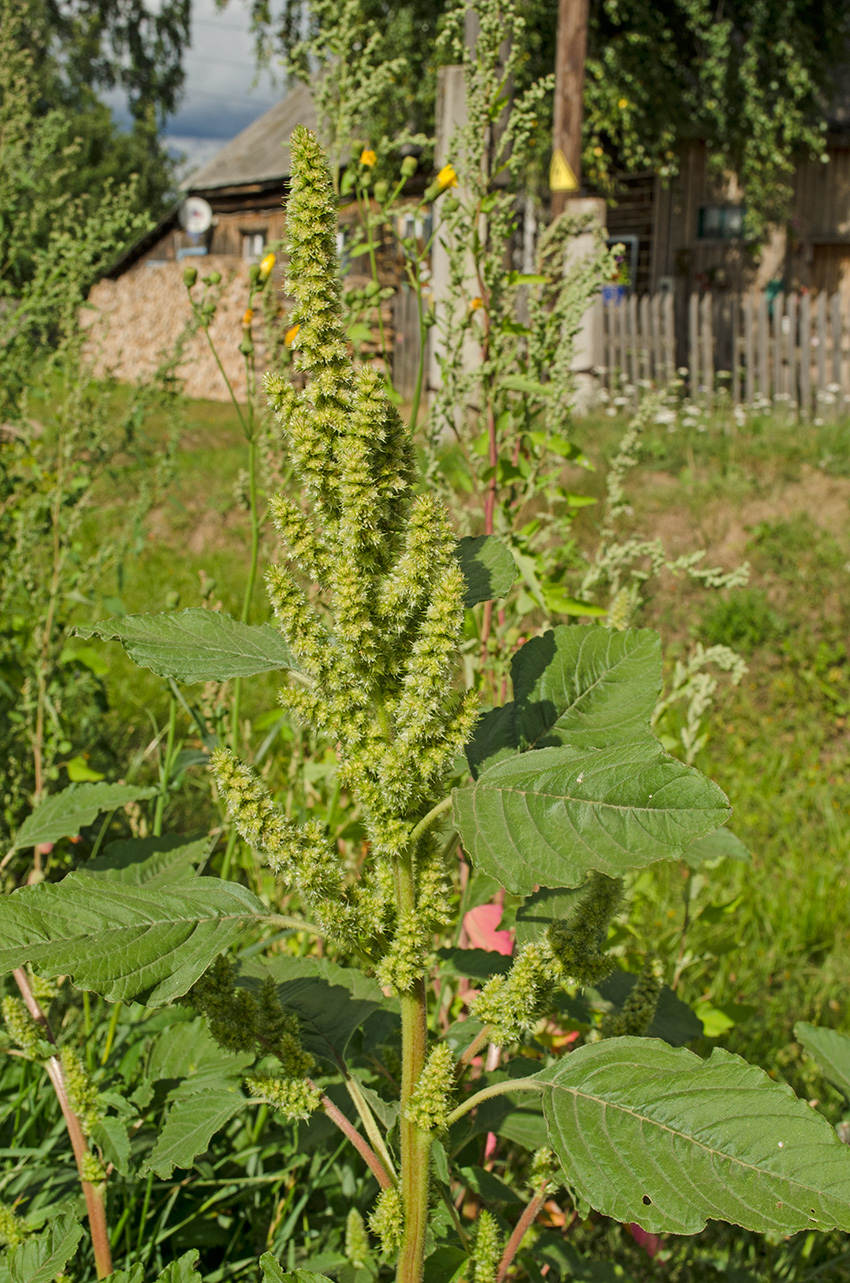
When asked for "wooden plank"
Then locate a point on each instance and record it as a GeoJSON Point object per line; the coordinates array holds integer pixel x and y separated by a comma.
{"type": "Point", "coordinates": [634, 372]}
{"type": "Point", "coordinates": [835, 326]}
{"type": "Point", "coordinates": [806, 355]}
{"type": "Point", "coordinates": [707, 354]}
{"type": "Point", "coordinates": [611, 343]}
{"type": "Point", "coordinates": [693, 344]}
{"type": "Point", "coordinates": [657, 350]}
{"type": "Point", "coordinates": [749, 350]}
{"type": "Point", "coordinates": [669, 315]}
{"type": "Point", "coordinates": [790, 328]}
{"type": "Point", "coordinates": [778, 362]}
{"type": "Point", "coordinates": [622, 318]}
{"type": "Point", "coordinates": [644, 339]}
{"type": "Point", "coordinates": [821, 326]}
{"type": "Point", "coordinates": [764, 347]}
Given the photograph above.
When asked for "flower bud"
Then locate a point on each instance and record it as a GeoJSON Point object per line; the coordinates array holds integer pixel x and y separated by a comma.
{"type": "Point", "coordinates": [266, 267]}
{"type": "Point", "coordinates": [409, 166]}
{"type": "Point", "coordinates": [254, 273]}
{"type": "Point", "coordinates": [214, 278]}
{"type": "Point", "coordinates": [190, 275]}
{"type": "Point", "coordinates": [381, 190]}
{"type": "Point", "coordinates": [447, 177]}
{"type": "Point", "coordinates": [291, 335]}
{"type": "Point", "coordinates": [248, 317]}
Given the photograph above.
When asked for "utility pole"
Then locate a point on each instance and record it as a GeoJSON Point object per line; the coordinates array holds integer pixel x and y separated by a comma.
{"type": "Point", "coordinates": [570, 54]}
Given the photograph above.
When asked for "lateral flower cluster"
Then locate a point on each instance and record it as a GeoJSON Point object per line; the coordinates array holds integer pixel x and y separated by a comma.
{"type": "Point", "coordinates": [379, 631]}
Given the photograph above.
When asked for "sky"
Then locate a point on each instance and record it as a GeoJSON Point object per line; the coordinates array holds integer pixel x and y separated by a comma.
{"type": "Point", "coordinates": [222, 93]}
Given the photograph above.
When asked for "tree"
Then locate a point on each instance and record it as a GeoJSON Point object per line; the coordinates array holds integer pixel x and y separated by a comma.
{"type": "Point", "coordinates": [61, 153]}
{"type": "Point", "coordinates": [749, 77]}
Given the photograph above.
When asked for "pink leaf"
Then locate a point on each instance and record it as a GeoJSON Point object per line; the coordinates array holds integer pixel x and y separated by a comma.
{"type": "Point", "coordinates": [481, 925]}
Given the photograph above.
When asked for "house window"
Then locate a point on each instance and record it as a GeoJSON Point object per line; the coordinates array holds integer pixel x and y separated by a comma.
{"type": "Point", "coordinates": [720, 222]}
{"type": "Point", "coordinates": [253, 245]}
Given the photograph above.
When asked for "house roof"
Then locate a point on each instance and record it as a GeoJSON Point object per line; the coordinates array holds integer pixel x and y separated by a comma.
{"type": "Point", "coordinates": [260, 154]}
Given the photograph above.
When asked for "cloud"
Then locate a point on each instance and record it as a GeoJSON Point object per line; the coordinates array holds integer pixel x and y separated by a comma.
{"type": "Point", "coordinates": [223, 93]}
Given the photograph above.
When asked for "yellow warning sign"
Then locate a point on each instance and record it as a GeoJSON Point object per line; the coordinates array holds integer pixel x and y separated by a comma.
{"type": "Point", "coordinates": [561, 176]}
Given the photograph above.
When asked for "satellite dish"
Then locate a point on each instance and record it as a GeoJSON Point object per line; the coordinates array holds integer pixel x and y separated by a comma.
{"type": "Point", "coordinates": [195, 215]}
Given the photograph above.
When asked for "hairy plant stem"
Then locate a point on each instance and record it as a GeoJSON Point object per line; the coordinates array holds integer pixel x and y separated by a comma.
{"type": "Point", "coordinates": [363, 1148]}
{"type": "Point", "coordinates": [520, 1230]}
{"type": "Point", "coordinates": [487, 1093]}
{"type": "Point", "coordinates": [95, 1195]}
{"type": "Point", "coordinates": [415, 1143]}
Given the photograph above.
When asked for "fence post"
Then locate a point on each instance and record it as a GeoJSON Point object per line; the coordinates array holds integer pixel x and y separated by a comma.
{"type": "Point", "coordinates": [707, 323]}
{"type": "Point", "coordinates": [806, 355]}
{"type": "Point", "coordinates": [693, 343]}
{"type": "Point", "coordinates": [836, 352]}
{"type": "Point", "coordinates": [778, 369]}
{"type": "Point", "coordinates": [822, 333]}
{"type": "Point", "coordinates": [792, 350]}
{"type": "Point", "coordinates": [749, 351]}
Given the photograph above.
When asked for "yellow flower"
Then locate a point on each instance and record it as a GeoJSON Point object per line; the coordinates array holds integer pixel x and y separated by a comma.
{"type": "Point", "coordinates": [291, 335]}
{"type": "Point", "coordinates": [367, 157]}
{"type": "Point", "coordinates": [476, 304]}
{"type": "Point", "coordinates": [248, 317]}
{"type": "Point", "coordinates": [623, 104]}
{"type": "Point", "coordinates": [266, 267]}
{"type": "Point", "coordinates": [447, 177]}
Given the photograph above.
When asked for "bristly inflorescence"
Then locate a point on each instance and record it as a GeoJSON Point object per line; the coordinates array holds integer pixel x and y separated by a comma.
{"type": "Point", "coordinates": [377, 635]}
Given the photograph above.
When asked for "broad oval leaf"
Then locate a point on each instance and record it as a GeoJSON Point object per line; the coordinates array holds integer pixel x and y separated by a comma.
{"type": "Point", "coordinates": [153, 862]}
{"type": "Point", "coordinates": [189, 1126]}
{"type": "Point", "coordinates": [123, 941]}
{"type": "Point", "coordinates": [330, 1001]}
{"type": "Point", "coordinates": [722, 845]}
{"type": "Point", "coordinates": [574, 685]}
{"type": "Point", "coordinates": [196, 645]}
{"type": "Point", "coordinates": [654, 1135]}
{"type": "Point", "coordinates": [488, 568]}
{"type": "Point", "coordinates": [550, 817]}
{"type": "Point", "coordinates": [830, 1049]}
{"type": "Point", "coordinates": [273, 1272]}
{"type": "Point", "coordinates": [41, 1258]}
{"type": "Point", "coordinates": [62, 815]}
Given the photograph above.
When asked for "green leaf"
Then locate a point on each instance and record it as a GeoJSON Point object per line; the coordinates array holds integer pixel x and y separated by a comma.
{"type": "Point", "coordinates": [531, 387]}
{"type": "Point", "coordinates": [560, 602]}
{"type": "Point", "coordinates": [273, 1272]}
{"type": "Point", "coordinates": [190, 1124]}
{"type": "Point", "coordinates": [472, 964]}
{"type": "Point", "coordinates": [536, 913]}
{"type": "Point", "coordinates": [151, 862]}
{"type": "Point", "coordinates": [720, 845]}
{"type": "Point", "coordinates": [330, 1001]}
{"type": "Point", "coordinates": [111, 1135]}
{"type": "Point", "coordinates": [123, 941]}
{"type": "Point", "coordinates": [183, 1270]}
{"type": "Point", "coordinates": [189, 1053]}
{"type": "Point", "coordinates": [654, 1135]}
{"type": "Point", "coordinates": [80, 772]}
{"type": "Point", "coordinates": [63, 815]}
{"type": "Point", "coordinates": [41, 1258]}
{"type": "Point", "coordinates": [488, 568]}
{"type": "Point", "coordinates": [196, 645]}
{"type": "Point", "coordinates": [830, 1049]}
{"type": "Point", "coordinates": [674, 1022]}
{"type": "Point", "coordinates": [489, 1186]}
{"type": "Point", "coordinates": [445, 1264]}
{"type": "Point", "coordinates": [574, 685]}
{"type": "Point", "coordinates": [550, 817]}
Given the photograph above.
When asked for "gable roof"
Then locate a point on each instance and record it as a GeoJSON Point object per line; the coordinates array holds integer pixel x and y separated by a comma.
{"type": "Point", "coordinates": [260, 154]}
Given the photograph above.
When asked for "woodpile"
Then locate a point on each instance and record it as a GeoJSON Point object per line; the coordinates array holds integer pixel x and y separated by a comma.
{"type": "Point", "coordinates": [138, 322]}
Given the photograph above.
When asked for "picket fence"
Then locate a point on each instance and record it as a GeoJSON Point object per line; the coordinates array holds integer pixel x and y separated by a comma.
{"type": "Point", "coordinates": [792, 351]}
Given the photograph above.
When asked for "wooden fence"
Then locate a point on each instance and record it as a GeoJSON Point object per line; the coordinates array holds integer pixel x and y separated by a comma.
{"type": "Point", "coordinates": [792, 351]}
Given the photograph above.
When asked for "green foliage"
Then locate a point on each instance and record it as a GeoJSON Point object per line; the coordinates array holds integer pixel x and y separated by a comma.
{"type": "Point", "coordinates": [378, 636]}
{"type": "Point", "coordinates": [752, 1163]}
{"type": "Point", "coordinates": [744, 620]}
